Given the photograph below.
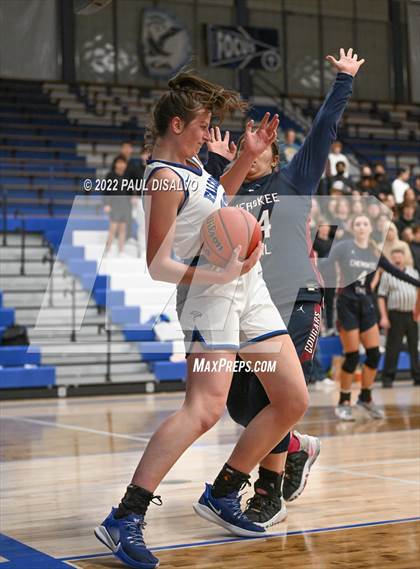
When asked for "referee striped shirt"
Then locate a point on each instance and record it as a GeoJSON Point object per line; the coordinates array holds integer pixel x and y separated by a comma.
{"type": "Point", "coordinates": [400, 296]}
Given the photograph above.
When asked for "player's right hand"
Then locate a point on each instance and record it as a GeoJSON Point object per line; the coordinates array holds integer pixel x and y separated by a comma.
{"type": "Point", "coordinates": [235, 268]}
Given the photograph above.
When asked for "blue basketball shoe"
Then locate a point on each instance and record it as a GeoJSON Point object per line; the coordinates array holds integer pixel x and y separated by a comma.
{"type": "Point", "coordinates": [124, 537]}
{"type": "Point", "coordinates": [226, 512]}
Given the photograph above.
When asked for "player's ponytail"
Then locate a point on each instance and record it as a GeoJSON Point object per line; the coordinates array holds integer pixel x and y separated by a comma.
{"type": "Point", "coordinates": [187, 95]}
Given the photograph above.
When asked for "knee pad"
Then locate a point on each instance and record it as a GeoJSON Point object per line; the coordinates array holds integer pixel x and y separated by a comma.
{"type": "Point", "coordinates": [372, 357]}
{"type": "Point", "coordinates": [351, 359]}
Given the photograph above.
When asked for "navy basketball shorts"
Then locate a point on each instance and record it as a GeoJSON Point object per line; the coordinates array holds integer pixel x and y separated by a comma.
{"type": "Point", "coordinates": [360, 313]}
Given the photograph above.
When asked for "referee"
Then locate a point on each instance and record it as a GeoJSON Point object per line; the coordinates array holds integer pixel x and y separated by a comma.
{"type": "Point", "coordinates": [397, 301]}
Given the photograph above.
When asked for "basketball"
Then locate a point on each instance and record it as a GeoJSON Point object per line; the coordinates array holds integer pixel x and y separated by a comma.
{"type": "Point", "coordinates": [225, 229]}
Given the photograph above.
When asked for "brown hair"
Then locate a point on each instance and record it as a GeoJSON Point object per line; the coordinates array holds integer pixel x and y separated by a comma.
{"type": "Point", "coordinates": [372, 243]}
{"type": "Point", "coordinates": [187, 95]}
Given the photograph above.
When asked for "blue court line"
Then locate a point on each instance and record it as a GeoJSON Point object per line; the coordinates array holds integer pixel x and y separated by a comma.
{"type": "Point", "coordinates": [267, 536]}
{"type": "Point", "coordinates": [21, 556]}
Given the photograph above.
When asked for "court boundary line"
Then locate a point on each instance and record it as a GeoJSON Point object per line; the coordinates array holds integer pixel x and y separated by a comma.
{"type": "Point", "coordinates": [146, 440]}
{"type": "Point", "coordinates": [78, 428]}
{"type": "Point", "coordinates": [362, 474]}
{"type": "Point", "coordinates": [252, 539]}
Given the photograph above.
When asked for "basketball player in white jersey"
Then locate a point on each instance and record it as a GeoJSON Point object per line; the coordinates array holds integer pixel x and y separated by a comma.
{"type": "Point", "coordinates": [180, 195]}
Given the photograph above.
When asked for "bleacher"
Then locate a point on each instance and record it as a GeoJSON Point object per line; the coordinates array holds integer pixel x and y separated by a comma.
{"type": "Point", "coordinates": [378, 132]}
{"type": "Point", "coordinates": [40, 176]}
{"type": "Point", "coordinates": [53, 137]}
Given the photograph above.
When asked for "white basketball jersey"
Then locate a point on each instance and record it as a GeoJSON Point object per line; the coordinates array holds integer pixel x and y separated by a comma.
{"type": "Point", "coordinates": [202, 195]}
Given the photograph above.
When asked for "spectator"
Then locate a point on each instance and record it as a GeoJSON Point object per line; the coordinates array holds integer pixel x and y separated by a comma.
{"type": "Point", "coordinates": [322, 246]}
{"type": "Point", "coordinates": [407, 218]}
{"type": "Point", "coordinates": [289, 148]}
{"type": "Point", "coordinates": [337, 189]}
{"type": "Point", "coordinates": [365, 184]}
{"type": "Point", "coordinates": [391, 241]}
{"type": "Point", "coordinates": [117, 206]}
{"type": "Point", "coordinates": [410, 198]}
{"type": "Point", "coordinates": [396, 304]}
{"type": "Point", "coordinates": [366, 171]}
{"type": "Point", "coordinates": [134, 172]}
{"type": "Point", "coordinates": [341, 219]}
{"type": "Point", "coordinates": [415, 247]}
{"type": "Point", "coordinates": [373, 212]}
{"type": "Point", "coordinates": [400, 184]}
{"type": "Point", "coordinates": [356, 206]}
{"type": "Point", "coordinates": [407, 235]}
{"type": "Point", "coordinates": [382, 224]}
{"type": "Point", "coordinates": [417, 187]}
{"type": "Point", "coordinates": [381, 184]}
{"type": "Point", "coordinates": [342, 177]}
{"type": "Point", "coordinates": [336, 155]}
{"type": "Point", "coordinates": [139, 210]}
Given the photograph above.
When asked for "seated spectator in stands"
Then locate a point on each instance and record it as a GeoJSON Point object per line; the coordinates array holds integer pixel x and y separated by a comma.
{"type": "Point", "coordinates": [400, 184]}
{"type": "Point", "coordinates": [336, 155]}
{"type": "Point", "coordinates": [366, 171]}
{"type": "Point", "coordinates": [407, 235]}
{"type": "Point", "coordinates": [357, 207]}
{"type": "Point", "coordinates": [315, 216]}
{"type": "Point", "coordinates": [390, 241]}
{"type": "Point", "coordinates": [417, 187]}
{"type": "Point", "coordinates": [415, 247]}
{"type": "Point", "coordinates": [382, 224]}
{"type": "Point", "coordinates": [118, 206]}
{"type": "Point", "coordinates": [341, 220]}
{"type": "Point", "coordinates": [338, 189]}
{"type": "Point", "coordinates": [289, 147]}
{"type": "Point", "coordinates": [407, 217]}
{"type": "Point", "coordinates": [341, 177]}
{"type": "Point", "coordinates": [396, 304]}
{"type": "Point", "coordinates": [410, 198]}
{"type": "Point", "coordinates": [381, 185]}
{"type": "Point", "coordinates": [365, 184]}
{"type": "Point", "coordinates": [373, 212]}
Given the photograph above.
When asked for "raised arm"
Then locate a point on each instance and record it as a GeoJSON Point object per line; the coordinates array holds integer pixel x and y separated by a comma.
{"type": "Point", "coordinates": [255, 142]}
{"type": "Point", "coordinates": [162, 208]}
{"type": "Point", "coordinates": [395, 272]}
{"type": "Point", "coordinates": [308, 164]}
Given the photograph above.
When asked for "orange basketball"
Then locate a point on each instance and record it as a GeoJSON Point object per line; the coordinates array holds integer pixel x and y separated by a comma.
{"type": "Point", "coordinates": [225, 229]}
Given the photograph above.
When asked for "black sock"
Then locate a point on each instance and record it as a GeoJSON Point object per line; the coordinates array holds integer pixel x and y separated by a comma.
{"type": "Point", "coordinates": [135, 501]}
{"type": "Point", "coordinates": [345, 397]}
{"type": "Point", "coordinates": [269, 482]}
{"type": "Point", "coordinates": [229, 480]}
{"type": "Point", "coordinates": [365, 395]}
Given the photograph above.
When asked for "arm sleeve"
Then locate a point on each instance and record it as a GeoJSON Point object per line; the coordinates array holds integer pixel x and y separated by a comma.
{"type": "Point", "coordinates": [336, 252]}
{"type": "Point", "coordinates": [306, 168]}
{"type": "Point", "coordinates": [383, 289]}
{"type": "Point", "coordinates": [392, 270]}
{"type": "Point", "coordinates": [216, 165]}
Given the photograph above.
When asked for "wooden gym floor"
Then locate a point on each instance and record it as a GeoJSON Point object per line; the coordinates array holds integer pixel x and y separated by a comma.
{"type": "Point", "coordinates": [65, 462]}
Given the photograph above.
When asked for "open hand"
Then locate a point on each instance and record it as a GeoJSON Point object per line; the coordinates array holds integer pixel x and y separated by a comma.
{"type": "Point", "coordinates": [347, 63]}
{"type": "Point", "coordinates": [256, 141]}
{"type": "Point", "coordinates": [223, 146]}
